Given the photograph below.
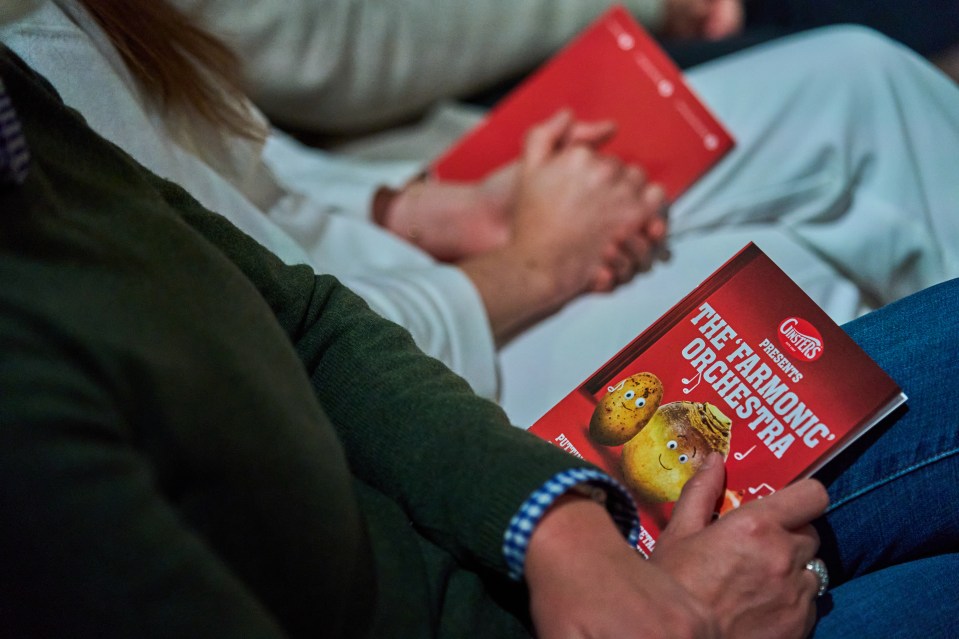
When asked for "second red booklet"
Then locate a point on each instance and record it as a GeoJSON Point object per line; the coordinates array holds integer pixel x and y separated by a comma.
{"type": "Point", "coordinates": [746, 365]}
{"type": "Point", "coordinates": [612, 71]}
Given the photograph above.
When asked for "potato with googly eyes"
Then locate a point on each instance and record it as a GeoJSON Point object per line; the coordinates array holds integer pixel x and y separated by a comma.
{"type": "Point", "coordinates": [625, 409]}
{"type": "Point", "coordinates": [658, 462]}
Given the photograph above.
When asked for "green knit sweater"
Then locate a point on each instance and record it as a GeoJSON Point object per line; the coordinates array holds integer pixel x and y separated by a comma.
{"type": "Point", "coordinates": [198, 441]}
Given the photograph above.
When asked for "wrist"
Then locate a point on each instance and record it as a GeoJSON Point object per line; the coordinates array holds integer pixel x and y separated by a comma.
{"type": "Point", "coordinates": [575, 525]}
{"type": "Point", "coordinates": [573, 482]}
{"type": "Point", "coordinates": [517, 291]}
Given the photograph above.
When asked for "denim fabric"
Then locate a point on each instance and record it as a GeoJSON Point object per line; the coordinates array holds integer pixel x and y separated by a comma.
{"type": "Point", "coordinates": [891, 535]}
{"type": "Point", "coordinates": [914, 600]}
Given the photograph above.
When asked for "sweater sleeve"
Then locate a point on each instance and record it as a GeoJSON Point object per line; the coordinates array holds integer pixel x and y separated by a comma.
{"type": "Point", "coordinates": [346, 65]}
{"type": "Point", "coordinates": [411, 428]}
{"type": "Point", "coordinates": [91, 548]}
{"type": "Point", "coordinates": [325, 227]}
{"type": "Point", "coordinates": [326, 206]}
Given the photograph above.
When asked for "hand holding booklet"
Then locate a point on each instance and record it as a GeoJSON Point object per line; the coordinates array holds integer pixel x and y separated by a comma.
{"type": "Point", "coordinates": [613, 71]}
{"type": "Point", "coordinates": [746, 365]}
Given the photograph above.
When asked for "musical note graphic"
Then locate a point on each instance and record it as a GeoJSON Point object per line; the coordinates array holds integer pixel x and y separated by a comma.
{"type": "Point", "coordinates": [755, 489]}
{"type": "Point", "coordinates": [698, 379]}
{"type": "Point", "coordinates": [610, 389]}
{"type": "Point", "coordinates": [742, 456]}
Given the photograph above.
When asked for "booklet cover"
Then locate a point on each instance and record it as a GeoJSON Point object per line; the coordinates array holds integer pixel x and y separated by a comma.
{"type": "Point", "coordinates": [747, 365]}
{"type": "Point", "coordinates": [613, 70]}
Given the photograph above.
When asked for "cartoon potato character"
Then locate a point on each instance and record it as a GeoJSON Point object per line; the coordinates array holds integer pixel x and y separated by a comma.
{"type": "Point", "coordinates": [658, 461]}
{"type": "Point", "coordinates": [625, 409]}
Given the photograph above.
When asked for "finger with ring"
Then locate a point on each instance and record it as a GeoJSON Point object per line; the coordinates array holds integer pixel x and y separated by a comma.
{"type": "Point", "coordinates": [818, 567]}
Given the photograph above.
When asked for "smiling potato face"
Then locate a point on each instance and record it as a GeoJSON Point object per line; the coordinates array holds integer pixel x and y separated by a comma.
{"type": "Point", "coordinates": [625, 409]}
{"type": "Point", "coordinates": [659, 461]}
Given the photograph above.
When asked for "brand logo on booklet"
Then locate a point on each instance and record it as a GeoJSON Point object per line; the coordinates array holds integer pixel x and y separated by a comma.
{"type": "Point", "coordinates": [801, 338]}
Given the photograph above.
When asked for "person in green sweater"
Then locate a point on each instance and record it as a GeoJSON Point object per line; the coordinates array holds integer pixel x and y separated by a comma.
{"type": "Point", "coordinates": [199, 441]}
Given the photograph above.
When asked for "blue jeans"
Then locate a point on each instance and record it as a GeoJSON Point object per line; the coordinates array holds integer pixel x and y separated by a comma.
{"type": "Point", "coordinates": [891, 535]}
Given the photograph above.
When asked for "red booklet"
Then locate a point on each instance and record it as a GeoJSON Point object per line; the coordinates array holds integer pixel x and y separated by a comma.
{"type": "Point", "coordinates": [614, 70]}
{"type": "Point", "coordinates": [746, 365]}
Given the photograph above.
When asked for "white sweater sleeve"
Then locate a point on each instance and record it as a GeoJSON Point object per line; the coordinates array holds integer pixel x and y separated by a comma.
{"type": "Point", "coordinates": [436, 302]}
{"type": "Point", "coordinates": [350, 65]}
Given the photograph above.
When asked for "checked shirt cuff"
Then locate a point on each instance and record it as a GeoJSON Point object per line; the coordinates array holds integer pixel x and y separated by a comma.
{"type": "Point", "coordinates": [618, 502]}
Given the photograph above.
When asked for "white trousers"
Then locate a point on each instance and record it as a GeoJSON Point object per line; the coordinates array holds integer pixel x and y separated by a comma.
{"type": "Point", "coordinates": [846, 172]}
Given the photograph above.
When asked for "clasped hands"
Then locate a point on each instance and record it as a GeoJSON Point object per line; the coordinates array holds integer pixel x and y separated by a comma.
{"type": "Point", "coordinates": [590, 220]}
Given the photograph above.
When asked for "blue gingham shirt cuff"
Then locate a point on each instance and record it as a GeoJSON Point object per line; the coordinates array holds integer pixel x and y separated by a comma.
{"type": "Point", "coordinates": [14, 155]}
{"type": "Point", "coordinates": [619, 503]}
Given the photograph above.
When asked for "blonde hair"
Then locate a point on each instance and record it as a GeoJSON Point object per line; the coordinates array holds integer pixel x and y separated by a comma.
{"type": "Point", "coordinates": [179, 65]}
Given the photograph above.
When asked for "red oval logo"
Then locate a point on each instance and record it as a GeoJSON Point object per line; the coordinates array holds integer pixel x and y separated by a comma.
{"type": "Point", "coordinates": [800, 338]}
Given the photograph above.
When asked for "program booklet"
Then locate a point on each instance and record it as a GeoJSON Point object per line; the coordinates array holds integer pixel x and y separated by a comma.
{"type": "Point", "coordinates": [746, 365]}
{"type": "Point", "coordinates": [612, 71]}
